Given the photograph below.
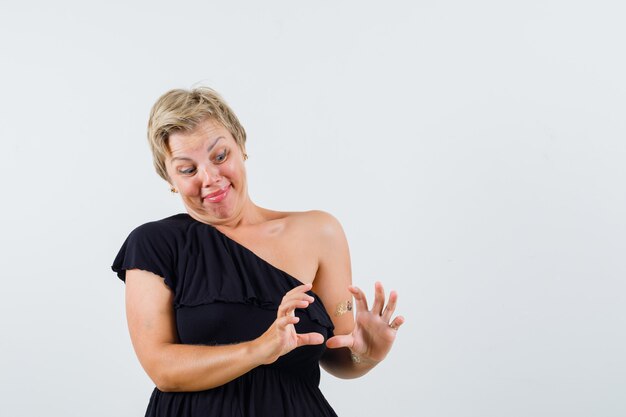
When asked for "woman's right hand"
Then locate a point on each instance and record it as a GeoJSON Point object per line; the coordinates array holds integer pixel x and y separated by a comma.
{"type": "Point", "coordinates": [281, 338]}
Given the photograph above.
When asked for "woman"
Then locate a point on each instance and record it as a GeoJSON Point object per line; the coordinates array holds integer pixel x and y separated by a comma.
{"type": "Point", "coordinates": [231, 306]}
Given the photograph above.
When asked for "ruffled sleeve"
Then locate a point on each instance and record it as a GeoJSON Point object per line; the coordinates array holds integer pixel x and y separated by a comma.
{"type": "Point", "coordinates": [150, 248]}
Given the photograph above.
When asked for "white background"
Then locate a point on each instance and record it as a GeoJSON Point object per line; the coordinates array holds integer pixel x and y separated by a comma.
{"type": "Point", "coordinates": [473, 151]}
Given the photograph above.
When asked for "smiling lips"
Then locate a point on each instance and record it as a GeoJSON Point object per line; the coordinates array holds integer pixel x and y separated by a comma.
{"type": "Point", "coordinates": [217, 196]}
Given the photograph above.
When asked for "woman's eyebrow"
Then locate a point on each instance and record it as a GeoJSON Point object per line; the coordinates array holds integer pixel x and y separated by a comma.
{"type": "Point", "coordinates": [213, 145]}
{"type": "Point", "coordinates": [184, 158]}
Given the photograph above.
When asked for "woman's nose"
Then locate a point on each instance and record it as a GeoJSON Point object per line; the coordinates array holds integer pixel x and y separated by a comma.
{"type": "Point", "coordinates": [209, 175]}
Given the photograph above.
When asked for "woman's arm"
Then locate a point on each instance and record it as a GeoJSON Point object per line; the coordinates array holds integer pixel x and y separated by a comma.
{"type": "Point", "coordinates": [358, 345]}
{"type": "Point", "coordinates": [178, 367]}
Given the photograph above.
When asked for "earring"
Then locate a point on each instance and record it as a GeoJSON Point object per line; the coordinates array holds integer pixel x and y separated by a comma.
{"type": "Point", "coordinates": [245, 156]}
{"type": "Point", "coordinates": [174, 190]}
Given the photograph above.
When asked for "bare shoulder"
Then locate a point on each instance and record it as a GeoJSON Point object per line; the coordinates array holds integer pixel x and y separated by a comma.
{"type": "Point", "coordinates": [321, 233]}
{"type": "Point", "coordinates": [299, 243]}
{"type": "Point", "coordinates": [316, 223]}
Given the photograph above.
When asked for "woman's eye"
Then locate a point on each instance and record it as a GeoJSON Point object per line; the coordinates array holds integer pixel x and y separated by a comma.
{"type": "Point", "coordinates": [187, 171]}
{"type": "Point", "coordinates": [221, 157]}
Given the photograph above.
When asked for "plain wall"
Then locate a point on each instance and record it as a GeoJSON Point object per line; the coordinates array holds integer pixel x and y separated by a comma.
{"type": "Point", "coordinates": [473, 151]}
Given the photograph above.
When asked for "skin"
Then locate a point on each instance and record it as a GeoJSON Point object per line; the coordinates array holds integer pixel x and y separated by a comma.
{"type": "Point", "coordinates": [207, 160]}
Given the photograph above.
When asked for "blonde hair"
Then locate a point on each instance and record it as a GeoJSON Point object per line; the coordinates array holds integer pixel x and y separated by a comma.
{"type": "Point", "coordinates": [182, 110]}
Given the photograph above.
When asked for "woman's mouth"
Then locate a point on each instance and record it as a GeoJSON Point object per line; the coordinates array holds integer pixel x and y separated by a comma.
{"type": "Point", "coordinates": [217, 196]}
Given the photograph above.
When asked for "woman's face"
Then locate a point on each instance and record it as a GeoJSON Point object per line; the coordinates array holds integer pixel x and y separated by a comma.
{"type": "Point", "coordinates": [207, 168]}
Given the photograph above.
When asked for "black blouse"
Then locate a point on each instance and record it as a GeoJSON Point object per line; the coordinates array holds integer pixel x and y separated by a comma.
{"type": "Point", "coordinates": [224, 293]}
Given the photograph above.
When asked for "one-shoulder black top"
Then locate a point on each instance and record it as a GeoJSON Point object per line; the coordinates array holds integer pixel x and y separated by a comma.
{"type": "Point", "coordinates": [224, 293]}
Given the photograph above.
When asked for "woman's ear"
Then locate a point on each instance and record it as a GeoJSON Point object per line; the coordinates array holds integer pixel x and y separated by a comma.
{"type": "Point", "coordinates": [172, 188]}
{"type": "Point", "coordinates": [243, 152]}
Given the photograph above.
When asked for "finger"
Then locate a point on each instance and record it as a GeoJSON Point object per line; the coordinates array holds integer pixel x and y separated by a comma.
{"type": "Point", "coordinates": [291, 304]}
{"type": "Point", "coordinates": [359, 296]}
{"type": "Point", "coordinates": [301, 288]}
{"type": "Point", "coordinates": [391, 306]}
{"type": "Point", "coordinates": [287, 320]}
{"type": "Point", "coordinates": [345, 340]}
{"type": "Point", "coordinates": [397, 322]}
{"type": "Point", "coordinates": [289, 307]}
{"type": "Point", "coordinates": [379, 299]}
{"type": "Point", "coordinates": [310, 339]}
{"type": "Point", "coordinates": [298, 293]}
{"type": "Point", "coordinates": [298, 296]}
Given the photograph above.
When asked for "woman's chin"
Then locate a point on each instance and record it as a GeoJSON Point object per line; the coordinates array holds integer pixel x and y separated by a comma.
{"type": "Point", "coordinates": [214, 215]}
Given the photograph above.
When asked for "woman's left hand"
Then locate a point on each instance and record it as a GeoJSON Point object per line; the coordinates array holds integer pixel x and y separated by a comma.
{"type": "Point", "coordinates": [374, 330]}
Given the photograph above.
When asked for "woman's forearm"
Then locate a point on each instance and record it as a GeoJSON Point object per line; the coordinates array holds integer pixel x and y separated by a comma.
{"type": "Point", "coordinates": [178, 367]}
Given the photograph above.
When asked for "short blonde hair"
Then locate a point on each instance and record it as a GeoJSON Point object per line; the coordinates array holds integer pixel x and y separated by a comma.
{"type": "Point", "coordinates": [182, 110]}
